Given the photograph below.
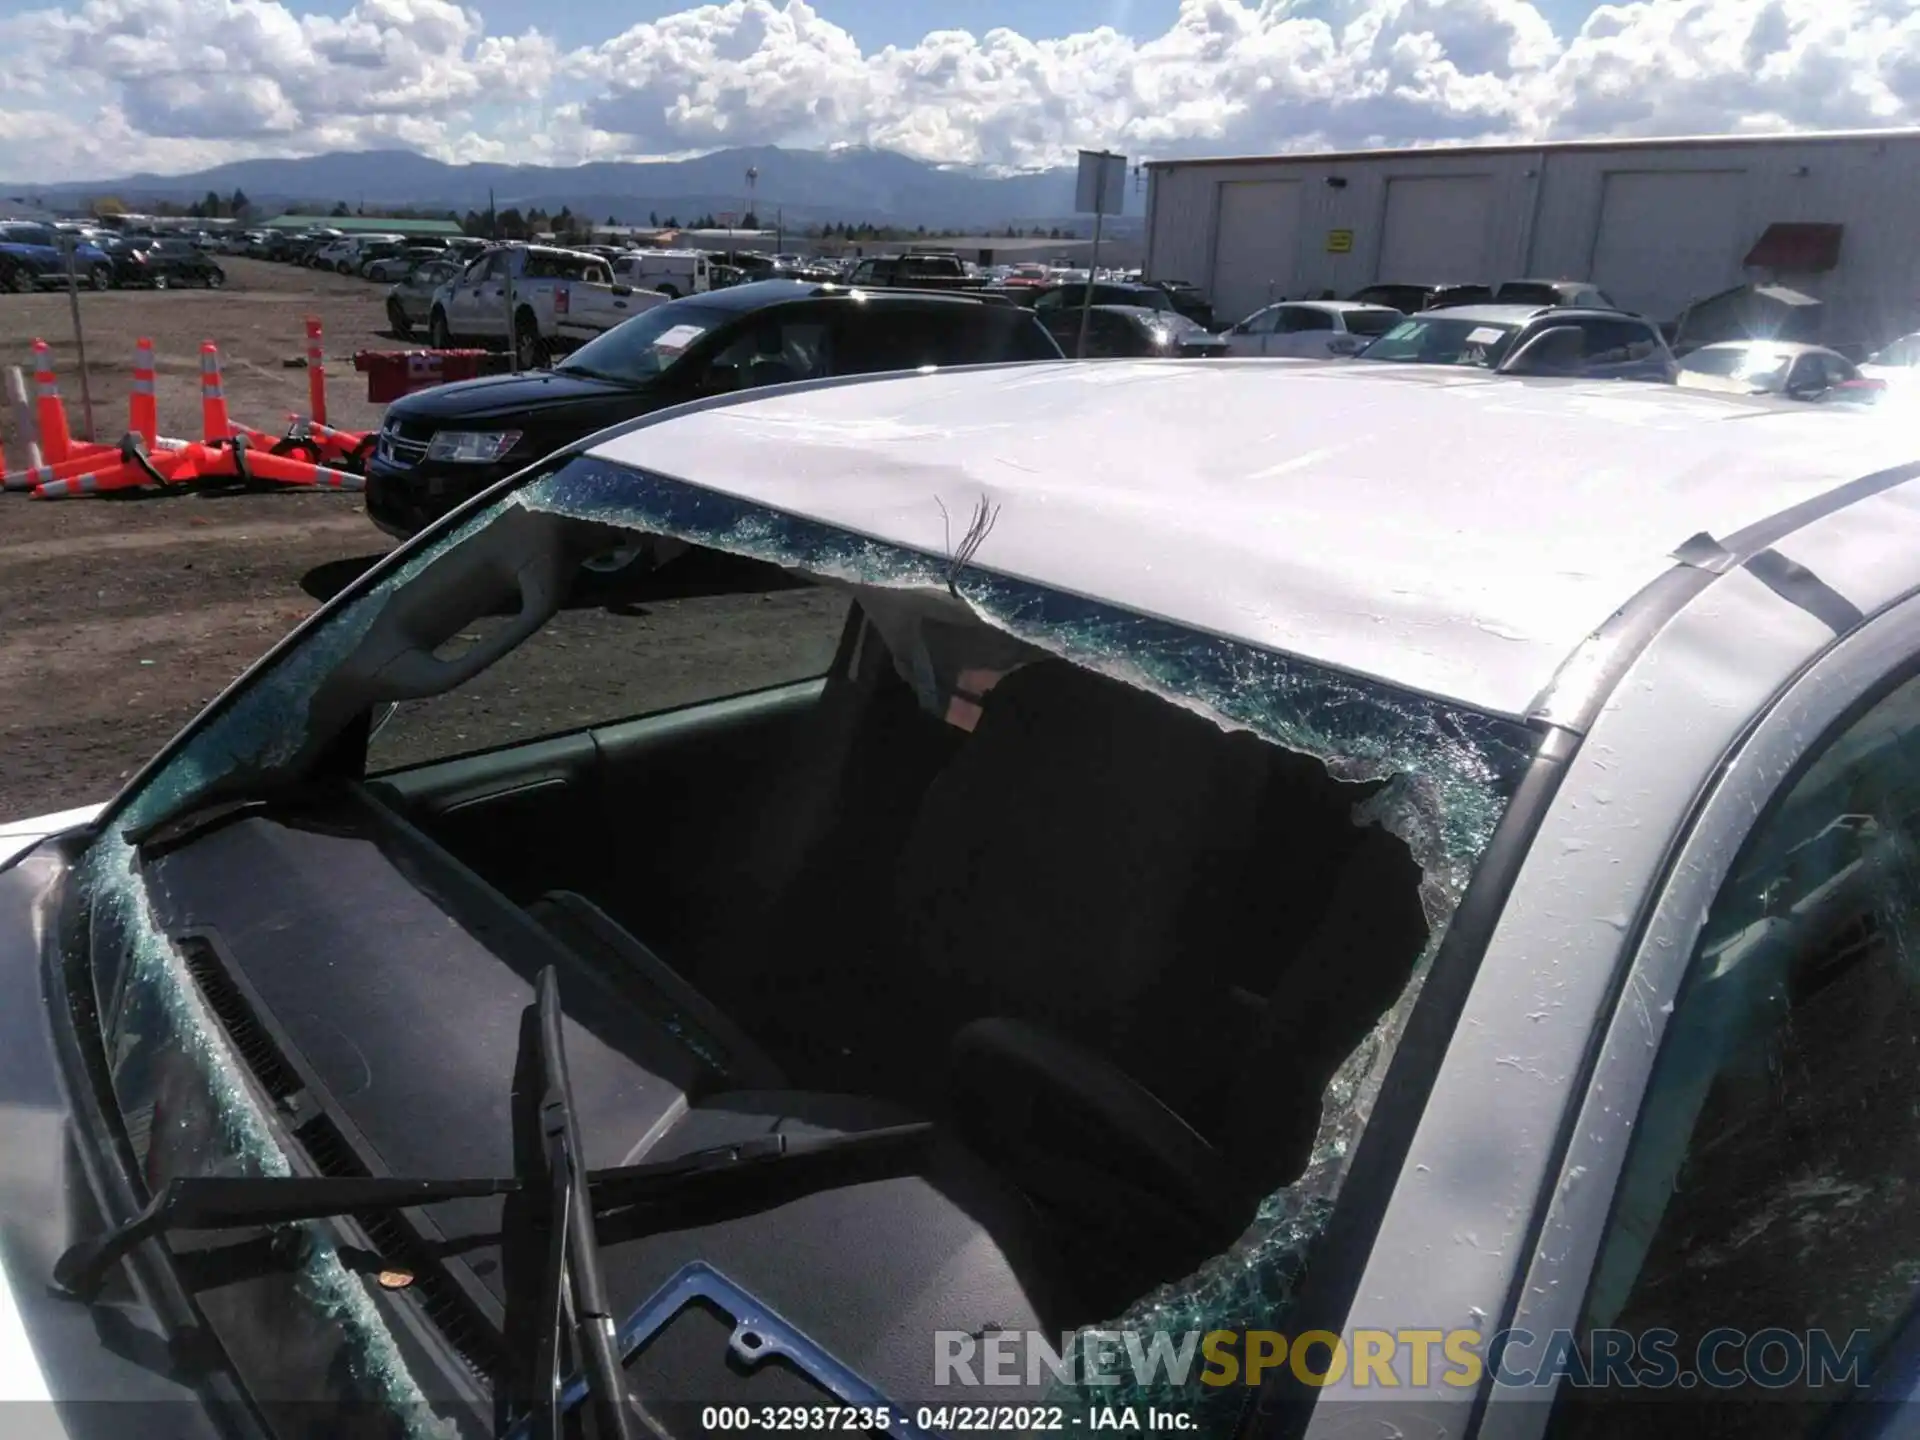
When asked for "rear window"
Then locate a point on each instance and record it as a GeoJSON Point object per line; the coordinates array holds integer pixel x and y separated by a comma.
{"type": "Point", "coordinates": [1526, 294]}
{"type": "Point", "coordinates": [1371, 322]}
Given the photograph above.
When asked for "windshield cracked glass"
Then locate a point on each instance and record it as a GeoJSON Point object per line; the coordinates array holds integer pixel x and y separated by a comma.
{"type": "Point", "coordinates": [1443, 779]}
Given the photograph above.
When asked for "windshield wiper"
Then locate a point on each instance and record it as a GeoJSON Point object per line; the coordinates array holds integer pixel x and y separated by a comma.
{"type": "Point", "coordinates": [573, 1280]}
{"type": "Point", "coordinates": [737, 1170]}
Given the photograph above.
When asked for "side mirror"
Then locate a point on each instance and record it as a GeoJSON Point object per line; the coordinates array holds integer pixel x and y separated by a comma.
{"type": "Point", "coordinates": [620, 289]}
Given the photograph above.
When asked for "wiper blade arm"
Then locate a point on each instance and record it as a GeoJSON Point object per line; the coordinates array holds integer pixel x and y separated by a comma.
{"type": "Point", "coordinates": [573, 1257]}
{"type": "Point", "coordinates": [243, 1202]}
{"type": "Point", "coordinates": [233, 1202]}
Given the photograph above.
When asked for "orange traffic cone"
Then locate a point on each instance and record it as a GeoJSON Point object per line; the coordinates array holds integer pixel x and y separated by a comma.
{"type": "Point", "coordinates": [55, 443]}
{"type": "Point", "coordinates": [122, 475]}
{"type": "Point", "coordinates": [214, 423]}
{"type": "Point", "coordinates": [143, 406]}
{"type": "Point", "coordinates": [316, 372]}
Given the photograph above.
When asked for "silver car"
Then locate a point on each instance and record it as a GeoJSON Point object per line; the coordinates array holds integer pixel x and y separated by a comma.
{"type": "Point", "coordinates": [1053, 888]}
{"type": "Point", "coordinates": [410, 300]}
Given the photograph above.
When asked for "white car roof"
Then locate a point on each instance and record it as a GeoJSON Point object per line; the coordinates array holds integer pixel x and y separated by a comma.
{"type": "Point", "coordinates": [1280, 503]}
{"type": "Point", "coordinates": [1775, 347]}
{"type": "Point", "coordinates": [1333, 307]}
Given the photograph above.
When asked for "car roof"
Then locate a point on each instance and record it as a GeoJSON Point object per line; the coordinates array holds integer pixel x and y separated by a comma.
{"type": "Point", "coordinates": [759, 294]}
{"type": "Point", "coordinates": [1512, 314]}
{"type": "Point", "coordinates": [1781, 347]}
{"type": "Point", "coordinates": [1276, 503]}
{"type": "Point", "coordinates": [1336, 307]}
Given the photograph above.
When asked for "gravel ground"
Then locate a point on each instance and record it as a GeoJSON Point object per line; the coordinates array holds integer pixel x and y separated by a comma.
{"type": "Point", "coordinates": [121, 618]}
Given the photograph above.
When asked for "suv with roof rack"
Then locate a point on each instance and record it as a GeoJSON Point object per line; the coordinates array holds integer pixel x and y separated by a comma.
{"type": "Point", "coordinates": [1531, 340]}
{"type": "Point", "coordinates": [1036, 851]}
{"type": "Point", "coordinates": [439, 447]}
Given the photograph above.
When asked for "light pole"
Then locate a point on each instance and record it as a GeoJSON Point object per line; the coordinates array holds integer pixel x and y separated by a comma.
{"type": "Point", "coordinates": [753, 179]}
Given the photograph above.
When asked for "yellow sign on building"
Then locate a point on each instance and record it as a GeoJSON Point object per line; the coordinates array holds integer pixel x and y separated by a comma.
{"type": "Point", "coordinates": [1339, 242]}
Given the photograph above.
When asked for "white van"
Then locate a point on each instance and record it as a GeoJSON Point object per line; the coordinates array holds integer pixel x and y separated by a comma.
{"type": "Point", "coordinates": [672, 272]}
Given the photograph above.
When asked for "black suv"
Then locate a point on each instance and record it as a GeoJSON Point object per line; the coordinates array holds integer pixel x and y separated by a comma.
{"type": "Point", "coordinates": [441, 446]}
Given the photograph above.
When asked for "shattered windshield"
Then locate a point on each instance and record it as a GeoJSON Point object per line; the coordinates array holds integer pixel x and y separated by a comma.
{"type": "Point", "coordinates": [927, 810]}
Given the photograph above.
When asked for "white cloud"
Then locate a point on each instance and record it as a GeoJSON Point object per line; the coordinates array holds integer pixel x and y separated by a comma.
{"type": "Point", "coordinates": [174, 84]}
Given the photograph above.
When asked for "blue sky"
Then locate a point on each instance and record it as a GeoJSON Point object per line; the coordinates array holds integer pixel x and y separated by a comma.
{"type": "Point", "coordinates": [98, 88]}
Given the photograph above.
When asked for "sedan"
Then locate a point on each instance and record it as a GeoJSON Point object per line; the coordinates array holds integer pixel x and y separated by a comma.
{"type": "Point", "coordinates": [410, 301]}
{"type": "Point", "coordinates": [1317, 329]}
{"type": "Point", "coordinates": [1132, 330]}
{"type": "Point", "coordinates": [1773, 367]}
{"type": "Point", "coordinates": [402, 262]}
{"type": "Point", "coordinates": [1451, 908]}
{"type": "Point", "coordinates": [160, 264]}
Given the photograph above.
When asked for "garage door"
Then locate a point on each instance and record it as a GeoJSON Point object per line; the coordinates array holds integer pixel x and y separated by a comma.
{"type": "Point", "coordinates": [1256, 246]}
{"type": "Point", "coordinates": [1436, 231]}
{"type": "Point", "coordinates": [1667, 237]}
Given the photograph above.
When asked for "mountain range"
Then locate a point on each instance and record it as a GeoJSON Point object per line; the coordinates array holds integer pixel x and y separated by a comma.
{"type": "Point", "coordinates": [852, 184]}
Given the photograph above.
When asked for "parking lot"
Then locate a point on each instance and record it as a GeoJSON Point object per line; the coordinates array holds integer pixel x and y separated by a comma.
{"type": "Point", "coordinates": [120, 619]}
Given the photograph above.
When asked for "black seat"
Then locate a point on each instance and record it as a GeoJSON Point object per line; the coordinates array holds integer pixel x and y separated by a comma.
{"type": "Point", "coordinates": [1140, 1192]}
{"type": "Point", "coordinates": [1050, 872]}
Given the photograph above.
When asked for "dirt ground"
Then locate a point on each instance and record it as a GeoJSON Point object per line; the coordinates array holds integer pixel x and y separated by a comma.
{"type": "Point", "coordinates": [120, 619]}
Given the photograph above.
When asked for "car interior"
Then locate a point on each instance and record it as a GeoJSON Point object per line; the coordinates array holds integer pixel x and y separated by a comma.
{"type": "Point", "coordinates": [1117, 948]}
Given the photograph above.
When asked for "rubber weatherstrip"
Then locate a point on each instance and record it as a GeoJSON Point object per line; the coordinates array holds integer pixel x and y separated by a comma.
{"type": "Point", "coordinates": [1572, 699]}
{"type": "Point", "coordinates": [1799, 586]}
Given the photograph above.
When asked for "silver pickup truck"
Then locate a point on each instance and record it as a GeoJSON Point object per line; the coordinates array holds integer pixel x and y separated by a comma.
{"type": "Point", "coordinates": [543, 299]}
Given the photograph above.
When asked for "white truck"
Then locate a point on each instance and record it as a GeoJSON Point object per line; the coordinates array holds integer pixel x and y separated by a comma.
{"type": "Point", "coordinates": [672, 272]}
{"type": "Point", "coordinates": [540, 298]}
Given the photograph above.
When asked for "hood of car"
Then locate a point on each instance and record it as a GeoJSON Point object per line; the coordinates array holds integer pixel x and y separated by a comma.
{"type": "Point", "coordinates": [19, 836]}
{"type": "Point", "coordinates": [498, 397]}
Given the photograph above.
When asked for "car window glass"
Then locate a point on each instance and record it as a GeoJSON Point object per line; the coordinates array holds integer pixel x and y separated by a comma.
{"type": "Point", "coordinates": [1768, 1183]}
{"type": "Point", "coordinates": [1305, 317]}
{"type": "Point", "coordinates": [706, 628]}
{"type": "Point", "coordinates": [772, 352]}
{"type": "Point", "coordinates": [1616, 342]}
{"type": "Point", "coordinates": [872, 341]}
{"type": "Point", "coordinates": [1370, 322]}
{"type": "Point", "coordinates": [1263, 323]}
{"type": "Point", "coordinates": [1052, 300]}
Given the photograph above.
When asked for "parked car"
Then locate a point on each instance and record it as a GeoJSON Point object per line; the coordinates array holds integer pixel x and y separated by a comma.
{"type": "Point", "coordinates": [1311, 328]}
{"type": "Point", "coordinates": [1050, 298]}
{"type": "Point", "coordinates": [1431, 857]}
{"type": "Point", "coordinates": [1411, 299]}
{"type": "Point", "coordinates": [402, 261]}
{"type": "Point", "coordinates": [410, 300]}
{"type": "Point", "coordinates": [1897, 363]}
{"type": "Point", "coordinates": [346, 254]}
{"type": "Point", "coordinates": [158, 264]}
{"type": "Point", "coordinates": [441, 446]}
{"type": "Point", "coordinates": [1189, 299]}
{"type": "Point", "coordinates": [1122, 330]}
{"type": "Point", "coordinates": [1530, 340]}
{"type": "Point", "coordinates": [916, 270]}
{"type": "Point", "coordinates": [673, 273]}
{"type": "Point", "coordinates": [558, 298]}
{"type": "Point", "coordinates": [1772, 367]}
{"type": "Point", "coordinates": [34, 256]}
{"type": "Point", "coordinates": [1577, 294]}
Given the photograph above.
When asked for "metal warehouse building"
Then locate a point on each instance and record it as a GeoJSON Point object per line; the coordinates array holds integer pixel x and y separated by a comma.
{"type": "Point", "coordinates": [1655, 223]}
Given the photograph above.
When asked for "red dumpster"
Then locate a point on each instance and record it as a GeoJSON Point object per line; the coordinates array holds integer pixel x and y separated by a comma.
{"type": "Point", "coordinates": [393, 373]}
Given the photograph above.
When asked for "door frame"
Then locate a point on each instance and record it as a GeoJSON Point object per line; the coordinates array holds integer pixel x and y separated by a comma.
{"type": "Point", "coordinates": [1829, 695]}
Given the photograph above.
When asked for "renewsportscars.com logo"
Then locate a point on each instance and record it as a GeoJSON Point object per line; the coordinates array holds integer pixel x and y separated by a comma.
{"type": "Point", "coordinates": [1726, 1359]}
